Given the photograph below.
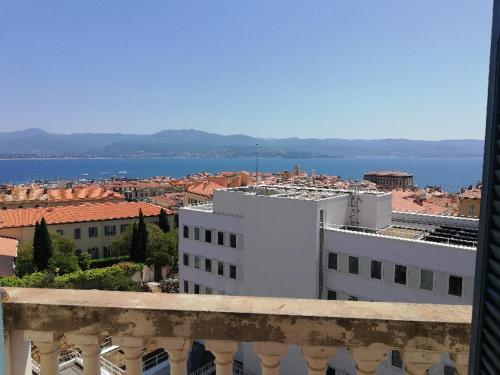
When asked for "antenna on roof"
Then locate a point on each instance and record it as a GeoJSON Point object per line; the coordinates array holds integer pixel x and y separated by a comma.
{"type": "Point", "coordinates": [257, 165]}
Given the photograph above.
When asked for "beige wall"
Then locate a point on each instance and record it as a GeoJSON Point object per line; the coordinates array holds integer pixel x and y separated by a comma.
{"type": "Point", "coordinates": [469, 207]}
{"type": "Point", "coordinates": [25, 234]}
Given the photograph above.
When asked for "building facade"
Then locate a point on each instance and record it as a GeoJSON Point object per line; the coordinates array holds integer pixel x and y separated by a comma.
{"type": "Point", "coordinates": [469, 203]}
{"type": "Point", "coordinates": [390, 179]}
{"type": "Point", "coordinates": [327, 244]}
{"type": "Point", "coordinates": [92, 226]}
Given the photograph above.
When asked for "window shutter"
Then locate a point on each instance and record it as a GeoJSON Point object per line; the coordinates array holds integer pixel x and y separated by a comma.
{"type": "Point", "coordinates": [485, 337]}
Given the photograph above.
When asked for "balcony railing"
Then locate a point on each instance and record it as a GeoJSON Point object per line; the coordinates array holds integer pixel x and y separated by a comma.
{"type": "Point", "coordinates": [370, 330]}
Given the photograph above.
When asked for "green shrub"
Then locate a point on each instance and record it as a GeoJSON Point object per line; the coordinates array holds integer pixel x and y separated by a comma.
{"type": "Point", "coordinates": [107, 262]}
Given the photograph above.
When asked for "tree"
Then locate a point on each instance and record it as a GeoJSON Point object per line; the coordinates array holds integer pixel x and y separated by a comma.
{"type": "Point", "coordinates": [142, 231]}
{"type": "Point", "coordinates": [159, 251]}
{"type": "Point", "coordinates": [24, 261]}
{"type": "Point", "coordinates": [42, 246]}
{"type": "Point", "coordinates": [134, 245]}
{"type": "Point", "coordinates": [163, 221]}
{"type": "Point", "coordinates": [121, 244]}
{"type": "Point", "coordinates": [176, 220]}
{"type": "Point", "coordinates": [63, 259]}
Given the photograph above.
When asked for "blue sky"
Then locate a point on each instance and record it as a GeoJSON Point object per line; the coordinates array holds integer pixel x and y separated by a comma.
{"type": "Point", "coordinates": [337, 68]}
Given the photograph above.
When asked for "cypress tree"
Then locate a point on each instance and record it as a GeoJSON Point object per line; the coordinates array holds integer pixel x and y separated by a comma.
{"type": "Point", "coordinates": [134, 245]}
{"type": "Point", "coordinates": [42, 246]}
{"type": "Point", "coordinates": [142, 231]}
{"type": "Point", "coordinates": [163, 221]}
{"type": "Point", "coordinates": [176, 220]}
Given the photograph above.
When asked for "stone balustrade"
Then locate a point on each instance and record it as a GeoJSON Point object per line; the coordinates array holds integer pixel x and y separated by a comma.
{"type": "Point", "coordinates": [369, 330]}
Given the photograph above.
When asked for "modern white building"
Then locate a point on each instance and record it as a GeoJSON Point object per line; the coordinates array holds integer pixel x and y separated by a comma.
{"type": "Point", "coordinates": [329, 244]}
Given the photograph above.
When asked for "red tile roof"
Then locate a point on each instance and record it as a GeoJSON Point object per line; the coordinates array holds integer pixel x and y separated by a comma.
{"type": "Point", "coordinates": [205, 189]}
{"type": "Point", "coordinates": [8, 247]}
{"type": "Point", "coordinates": [422, 202]}
{"type": "Point", "coordinates": [388, 174]}
{"type": "Point", "coordinates": [471, 194]}
{"type": "Point", "coordinates": [86, 212]}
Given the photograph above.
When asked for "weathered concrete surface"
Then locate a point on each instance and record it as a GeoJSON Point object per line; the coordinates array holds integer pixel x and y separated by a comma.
{"type": "Point", "coordinates": [242, 319]}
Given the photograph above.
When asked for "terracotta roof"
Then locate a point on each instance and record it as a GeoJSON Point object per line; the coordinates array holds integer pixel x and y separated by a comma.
{"type": "Point", "coordinates": [169, 199]}
{"type": "Point", "coordinates": [85, 212]}
{"type": "Point", "coordinates": [422, 202]}
{"type": "Point", "coordinates": [91, 192]}
{"type": "Point", "coordinates": [205, 189]}
{"type": "Point", "coordinates": [471, 194]}
{"type": "Point", "coordinates": [8, 247]}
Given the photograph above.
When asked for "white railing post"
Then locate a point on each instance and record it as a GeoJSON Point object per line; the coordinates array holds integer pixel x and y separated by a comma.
{"type": "Point", "coordinates": [90, 345]}
{"type": "Point", "coordinates": [133, 348]}
{"type": "Point", "coordinates": [270, 354]}
{"type": "Point", "coordinates": [48, 346]}
{"type": "Point", "coordinates": [317, 358]}
{"type": "Point", "coordinates": [223, 351]}
{"type": "Point", "coordinates": [178, 349]}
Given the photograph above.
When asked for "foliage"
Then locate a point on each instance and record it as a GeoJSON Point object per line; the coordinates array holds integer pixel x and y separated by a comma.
{"type": "Point", "coordinates": [121, 244]}
{"type": "Point", "coordinates": [84, 261]}
{"type": "Point", "coordinates": [170, 285]}
{"type": "Point", "coordinates": [24, 261]}
{"type": "Point", "coordinates": [107, 262]}
{"type": "Point", "coordinates": [163, 221]}
{"type": "Point", "coordinates": [143, 287]}
{"type": "Point", "coordinates": [162, 247]}
{"type": "Point", "coordinates": [63, 259]}
{"type": "Point", "coordinates": [117, 277]}
{"type": "Point", "coordinates": [42, 246]}
{"type": "Point", "coordinates": [176, 220]}
{"type": "Point", "coordinates": [142, 234]}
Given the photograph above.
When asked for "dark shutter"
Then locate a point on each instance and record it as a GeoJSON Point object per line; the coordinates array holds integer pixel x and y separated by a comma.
{"type": "Point", "coordinates": [485, 339]}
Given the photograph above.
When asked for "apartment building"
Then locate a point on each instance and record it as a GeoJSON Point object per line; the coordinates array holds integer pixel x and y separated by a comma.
{"type": "Point", "coordinates": [327, 244]}
{"type": "Point", "coordinates": [469, 203]}
{"type": "Point", "coordinates": [92, 226]}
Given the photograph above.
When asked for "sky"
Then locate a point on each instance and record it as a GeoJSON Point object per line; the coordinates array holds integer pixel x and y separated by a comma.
{"type": "Point", "coordinates": [269, 68]}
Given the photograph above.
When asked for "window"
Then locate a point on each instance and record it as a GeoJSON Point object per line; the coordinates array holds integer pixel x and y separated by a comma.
{"type": "Point", "coordinates": [185, 259]}
{"type": "Point", "coordinates": [330, 371]}
{"type": "Point", "coordinates": [208, 236]}
{"type": "Point", "coordinates": [396, 359]}
{"type": "Point", "coordinates": [220, 238]}
{"type": "Point", "coordinates": [232, 272]}
{"type": "Point", "coordinates": [123, 227]}
{"type": "Point", "coordinates": [185, 231]}
{"type": "Point", "coordinates": [208, 265]}
{"type": "Point", "coordinates": [196, 289]}
{"type": "Point", "coordinates": [331, 295]}
{"type": "Point", "coordinates": [77, 233]}
{"type": "Point", "coordinates": [232, 240]}
{"type": "Point", "coordinates": [400, 274]}
{"type": "Point", "coordinates": [110, 230]}
{"type": "Point", "coordinates": [186, 286]}
{"type": "Point", "coordinates": [426, 279]}
{"type": "Point", "coordinates": [60, 231]}
{"type": "Point", "coordinates": [208, 290]}
{"type": "Point", "coordinates": [352, 298]}
{"type": "Point", "coordinates": [376, 271]}
{"type": "Point", "coordinates": [197, 234]}
{"type": "Point", "coordinates": [106, 252]}
{"type": "Point", "coordinates": [93, 232]}
{"type": "Point", "coordinates": [354, 265]}
{"type": "Point", "coordinates": [332, 261]}
{"type": "Point", "coordinates": [220, 268]}
{"type": "Point", "coordinates": [455, 286]}
{"type": "Point", "coordinates": [197, 262]}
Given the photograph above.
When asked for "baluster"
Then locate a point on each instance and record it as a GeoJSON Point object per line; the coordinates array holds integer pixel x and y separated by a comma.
{"type": "Point", "coordinates": [48, 346]}
{"type": "Point", "coordinates": [132, 347]}
{"type": "Point", "coordinates": [368, 358]}
{"type": "Point", "coordinates": [270, 354]}
{"type": "Point", "coordinates": [317, 358]}
{"type": "Point", "coordinates": [178, 349]}
{"type": "Point", "coordinates": [224, 351]}
{"type": "Point", "coordinates": [420, 354]}
{"type": "Point", "coordinates": [90, 345]}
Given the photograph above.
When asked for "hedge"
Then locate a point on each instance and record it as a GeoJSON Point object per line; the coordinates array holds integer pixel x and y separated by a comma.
{"type": "Point", "coordinates": [117, 277]}
{"type": "Point", "coordinates": [108, 262]}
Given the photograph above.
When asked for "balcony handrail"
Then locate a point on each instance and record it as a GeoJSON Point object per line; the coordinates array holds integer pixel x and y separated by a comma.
{"type": "Point", "coordinates": [205, 368]}
{"type": "Point", "coordinates": [291, 321]}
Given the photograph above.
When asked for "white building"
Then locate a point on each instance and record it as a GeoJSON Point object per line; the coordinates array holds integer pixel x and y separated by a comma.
{"type": "Point", "coordinates": [330, 244]}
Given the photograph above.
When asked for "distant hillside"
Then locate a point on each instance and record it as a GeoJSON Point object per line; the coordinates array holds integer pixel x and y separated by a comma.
{"type": "Point", "coordinates": [38, 143]}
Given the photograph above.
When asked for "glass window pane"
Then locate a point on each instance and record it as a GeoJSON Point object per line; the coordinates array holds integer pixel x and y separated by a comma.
{"type": "Point", "coordinates": [426, 279]}
{"type": "Point", "coordinates": [354, 265]}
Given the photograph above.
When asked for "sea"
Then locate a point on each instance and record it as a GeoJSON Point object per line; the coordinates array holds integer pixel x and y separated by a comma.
{"type": "Point", "coordinates": [449, 173]}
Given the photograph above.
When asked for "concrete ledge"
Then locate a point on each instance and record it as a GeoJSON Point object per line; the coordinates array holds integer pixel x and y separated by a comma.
{"type": "Point", "coordinates": [242, 319]}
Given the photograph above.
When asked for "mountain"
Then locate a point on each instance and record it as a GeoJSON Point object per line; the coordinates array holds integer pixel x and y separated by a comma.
{"type": "Point", "coordinates": [38, 143]}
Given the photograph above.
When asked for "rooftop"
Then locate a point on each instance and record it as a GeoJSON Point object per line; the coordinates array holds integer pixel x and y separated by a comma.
{"type": "Point", "coordinates": [86, 212]}
{"type": "Point", "coordinates": [388, 174]}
